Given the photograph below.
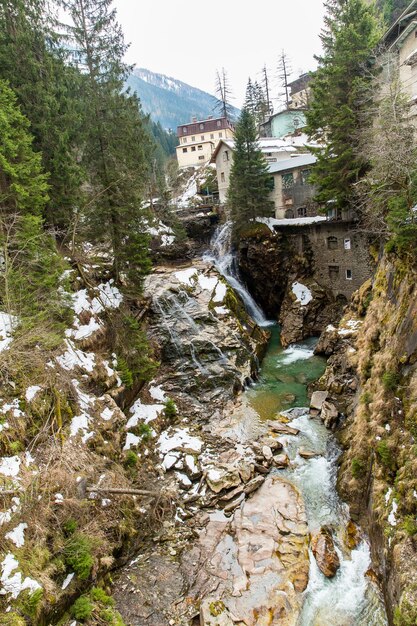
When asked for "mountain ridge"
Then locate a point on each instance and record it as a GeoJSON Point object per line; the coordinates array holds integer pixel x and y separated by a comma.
{"type": "Point", "coordinates": [169, 100]}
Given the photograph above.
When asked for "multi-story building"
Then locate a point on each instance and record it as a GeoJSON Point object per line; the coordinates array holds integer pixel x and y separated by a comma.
{"type": "Point", "coordinates": [400, 43]}
{"type": "Point", "coordinates": [273, 149]}
{"type": "Point", "coordinates": [198, 140]}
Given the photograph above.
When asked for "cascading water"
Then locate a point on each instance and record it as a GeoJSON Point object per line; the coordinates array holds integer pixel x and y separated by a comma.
{"type": "Point", "coordinates": [222, 256]}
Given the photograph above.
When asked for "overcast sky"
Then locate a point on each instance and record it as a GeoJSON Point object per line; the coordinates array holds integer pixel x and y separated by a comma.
{"type": "Point", "coordinates": [190, 39]}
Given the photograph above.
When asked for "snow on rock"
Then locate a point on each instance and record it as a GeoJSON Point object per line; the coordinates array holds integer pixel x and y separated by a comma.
{"type": "Point", "coordinates": [106, 414]}
{"type": "Point", "coordinates": [221, 310]}
{"type": "Point", "coordinates": [170, 460]}
{"type": "Point", "coordinates": [391, 517]}
{"type": "Point", "coordinates": [10, 466]}
{"type": "Point", "coordinates": [302, 293]}
{"type": "Point", "coordinates": [31, 392]}
{"type": "Point", "coordinates": [298, 221]}
{"type": "Point", "coordinates": [67, 580]}
{"type": "Point", "coordinates": [220, 293]}
{"type": "Point", "coordinates": [179, 438]}
{"type": "Point", "coordinates": [159, 229]}
{"type": "Point", "coordinates": [190, 191]}
{"type": "Point", "coordinates": [144, 412]}
{"type": "Point", "coordinates": [350, 327]}
{"type": "Point", "coordinates": [7, 323]}
{"type": "Point", "coordinates": [157, 393]}
{"type": "Point", "coordinates": [74, 357]}
{"type": "Point", "coordinates": [110, 295]}
{"type": "Point", "coordinates": [13, 407]}
{"type": "Point", "coordinates": [85, 330]}
{"type": "Point", "coordinates": [330, 328]}
{"type": "Point", "coordinates": [59, 498]}
{"type": "Point", "coordinates": [12, 583]}
{"type": "Point", "coordinates": [17, 535]}
{"type": "Point", "coordinates": [131, 440]}
{"type": "Point", "coordinates": [185, 276]}
{"type": "Point", "coordinates": [207, 282]}
{"type": "Point", "coordinates": [6, 516]}
{"type": "Point", "coordinates": [388, 494]}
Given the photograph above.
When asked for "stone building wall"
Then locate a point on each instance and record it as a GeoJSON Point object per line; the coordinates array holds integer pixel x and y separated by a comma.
{"type": "Point", "coordinates": [340, 254]}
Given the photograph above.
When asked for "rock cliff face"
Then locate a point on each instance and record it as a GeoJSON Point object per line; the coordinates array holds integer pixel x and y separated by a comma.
{"type": "Point", "coordinates": [372, 376]}
{"type": "Point", "coordinates": [282, 282]}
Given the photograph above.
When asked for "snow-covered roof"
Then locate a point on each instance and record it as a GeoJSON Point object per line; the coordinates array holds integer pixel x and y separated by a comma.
{"type": "Point", "coordinates": [266, 144]}
{"type": "Point", "coordinates": [298, 221]}
{"type": "Point", "coordinates": [299, 160]}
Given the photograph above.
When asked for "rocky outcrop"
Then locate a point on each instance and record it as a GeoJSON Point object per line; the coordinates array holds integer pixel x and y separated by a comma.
{"type": "Point", "coordinates": [324, 551]}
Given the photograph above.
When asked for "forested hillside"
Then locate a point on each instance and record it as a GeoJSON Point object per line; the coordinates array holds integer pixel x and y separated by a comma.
{"type": "Point", "coordinates": [170, 101]}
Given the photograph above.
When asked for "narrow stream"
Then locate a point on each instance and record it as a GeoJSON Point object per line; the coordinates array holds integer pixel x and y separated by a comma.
{"type": "Point", "coordinates": [351, 598]}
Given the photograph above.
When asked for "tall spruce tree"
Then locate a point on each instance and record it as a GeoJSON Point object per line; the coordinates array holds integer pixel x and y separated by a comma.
{"type": "Point", "coordinates": [249, 188]}
{"type": "Point", "coordinates": [47, 91]}
{"type": "Point", "coordinates": [338, 86]}
{"type": "Point", "coordinates": [116, 139]}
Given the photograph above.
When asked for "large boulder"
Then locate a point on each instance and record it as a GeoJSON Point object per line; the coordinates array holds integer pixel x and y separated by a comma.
{"type": "Point", "coordinates": [325, 553]}
{"type": "Point", "coordinates": [329, 414]}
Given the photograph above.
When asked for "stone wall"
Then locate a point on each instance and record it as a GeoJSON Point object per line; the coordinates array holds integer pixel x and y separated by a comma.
{"type": "Point", "coordinates": [340, 254]}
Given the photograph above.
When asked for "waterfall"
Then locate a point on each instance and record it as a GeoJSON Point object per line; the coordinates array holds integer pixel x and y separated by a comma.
{"type": "Point", "coordinates": [222, 255]}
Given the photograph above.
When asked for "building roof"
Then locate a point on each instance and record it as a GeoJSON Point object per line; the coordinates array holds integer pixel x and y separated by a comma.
{"type": "Point", "coordinates": [266, 144]}
{"type": "Point", "coordinates": [402, 26]}
{"type": "Point", "coordinates": [300, 160]}
{"type": "Point", "coordinates": [210, 124]}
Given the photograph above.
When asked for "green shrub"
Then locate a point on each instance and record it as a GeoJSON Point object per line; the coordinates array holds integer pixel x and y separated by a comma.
{"type": "Point", "coordinates": [410, 525]}
{"type": "Point", "coordinates": [366, 398]}
{"type": "Point", "coordinates": [384, 454]}
{"type": "Point", "coordinates": [78, 555]}
{"type": "Point", "coordinates": [109, 616]}
{"type": "Point", "coordinates": [69, 527]}
{"type": "Point", "coordinates": [31, 603]}
{"type": "Point", "coordinates": [99, 595]}
{"type": "Point", "coordinates": [124, 372]}
{"type": "Point", "coordinates": [82, 608]}
{"type": "Point", "coordinates": [12, 619]}
{"type": "Point", "coordinates": [144, 430]}
{"type": "Point", "coordinates": [131, 459]}
{"type": "Point", "coordinates": [170, 410]}
{"type": "Point", "coordinates": [390, 380]}
{"type": "Point", "coordinates": [358, 468]}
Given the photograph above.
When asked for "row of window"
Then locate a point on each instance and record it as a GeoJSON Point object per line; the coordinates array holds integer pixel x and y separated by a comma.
{"type": "Point", "coordinates": [192, 149]}
{"type": "Point", "coordinates": [212, 136]}
{"type": "Point", "coordinates": [288, 179]}
{"type": "Point", "coordinates": [334, 272]}
{"type": "Point", "coordinates": [333, 243]}
{"type": "Point", "coordinates": [185, 129]}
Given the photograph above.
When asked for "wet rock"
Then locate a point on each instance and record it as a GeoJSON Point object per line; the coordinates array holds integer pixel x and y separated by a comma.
{"type": "Point", "coordinates": [267, 453]}
{"type": "Point", "coordinates": [325, 553]}
{"type": "Point", "coordinates": [282, 429]}
{"type": "Point", "coordinates": [214, 613]}
{"type": "Point", "coordinates": [352, 537]}
{"type": "Point", "coordinates": [329, 414]}
{"type": "Point", "coordinates": [254, 484]}
{"type": "Point", "coordinates": [281, 461]}
{"type": "Point", "coordinates": [273, 443]}
{"type": "Point", "coordinates": [317, 400]}
{"type": "Point", "coordinates": [219, 479]}
{"type": "Point", "coordinates": [307, 454]}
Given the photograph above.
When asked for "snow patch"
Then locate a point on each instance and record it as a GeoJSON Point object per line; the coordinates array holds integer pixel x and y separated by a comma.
{"type": "Point", "coordinates": [31, 392]}
{"type": "Point", "coordinates": [7, 324]}
{"type": "Point", "coordinates": [67, 580]}
{"type": "Point", "coordinates": [13, 583]}
{"type": "Point", "coordinates": [106, 414]}
{"type": "Point", "coordinates": [179, 438]}
{"type": "Point", "coordinates": [157, 393]}
{"type": "Point", "coordinates": [17, 535]}
{"type": "Point", "coordinates": [10, 466]}
{"type": "Point", "coordinates": [220, 293]}
{"type": "Point", "coordinates": [144, 412]}
{"type": "Point", "coordinates": [391, 517]}
{"type": "Point", "coordinates": [185, 276]}
{"type": "Point", "coordinates": [131, 440]}
{"type": "Point", "coordinates": [302, 293]}
{"type": "Point", "coordinates": [74, 357]}
{"type": "Point", "coordinates": [206, 282]}
{"type": "Point", "coordinates": [298, 221]}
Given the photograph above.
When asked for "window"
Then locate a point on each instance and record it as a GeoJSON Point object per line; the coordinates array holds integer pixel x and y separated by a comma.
{"type": "Point", "coordinates": [305, 174]}
{"type": "Point", "coordinates": [202, 137]}
{"type": "Point", "coordinates": [184, 130]}
{"type": "Point", "coordinates": [201, 158]}
{"type": "Point", "coordinates": [192, 138]}
{"type": "Point", "coordinates": [212, 136]}
{"type": "Point", "coordinates": [219, 123]}
{"type": "Point", "coordinates": [200, 147]}
{"type": "Point", "coordinates": [347, 244]}
{"type": "Point", "coordinates": [201, 126]}
{"type": "Point", "coordinates": [302, 211]}
{"type": "Point", "coordinates": [287, 180]}
{"type": "Point", "coordinates": [270, 183]}
{"type": "Point", "coordinates": [332, 243]}
{"type": "Point", "coordinates": [222, 178]}
{"type": "Point", "coordinates": [226, 155]}
{"type": "Point", "coordinates": [184, 140]}
{"type": "Point", "coordinates": [192, 148]}
{"type": "Point", "coordinates": [184, 149]}
{"type": "Point", "coordinates": [333, 272]}
{"type": "Point", "coordinates": [269, 154]}
{"type": "Point", "coordinates": [220, 135]}
{"type": "Point", "coordinates": [348, 274]}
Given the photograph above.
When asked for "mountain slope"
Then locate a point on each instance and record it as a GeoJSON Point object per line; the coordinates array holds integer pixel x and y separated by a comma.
{"type": "Point", "coordinates": [171, 102]}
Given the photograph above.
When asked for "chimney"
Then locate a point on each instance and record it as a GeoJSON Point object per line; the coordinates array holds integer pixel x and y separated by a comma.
{"type": "Point", "coordinates": [194, 119]}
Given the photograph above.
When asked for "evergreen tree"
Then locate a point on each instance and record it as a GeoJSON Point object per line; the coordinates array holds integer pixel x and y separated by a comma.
{"type": "Point", "coordinates": [249, 188]}
{"type": "Point", "coordinates": [47, 91]}
{"type": "Point", "coordinates": [250, 101]}
{"type": "Point", "coordinates": [344, 73]}
{"type": "Point", "coordinates": [117, 143]}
